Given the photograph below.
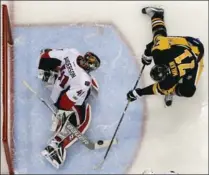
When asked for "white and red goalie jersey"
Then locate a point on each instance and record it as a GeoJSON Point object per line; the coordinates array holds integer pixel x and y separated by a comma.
{"type": "Point", "coordinates": [68, 71]}
{"type": "Point", "coordinates": [73, 83]}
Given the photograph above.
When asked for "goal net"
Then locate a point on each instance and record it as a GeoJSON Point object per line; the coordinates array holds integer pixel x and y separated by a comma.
{"type": "Point", "coordinates": [7, 147]}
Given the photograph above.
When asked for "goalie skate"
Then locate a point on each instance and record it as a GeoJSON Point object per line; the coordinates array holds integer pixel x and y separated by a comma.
{"type": "Point", "coordinates": [49, 158]}
{"type": "Point", "coordinates": [54, 154]}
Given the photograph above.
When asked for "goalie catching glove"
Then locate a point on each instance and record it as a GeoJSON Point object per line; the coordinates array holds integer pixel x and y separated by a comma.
{"type": "Point", "coordinates": [47, 76]}
{"type": "Point", "coordinates": [48, 67]}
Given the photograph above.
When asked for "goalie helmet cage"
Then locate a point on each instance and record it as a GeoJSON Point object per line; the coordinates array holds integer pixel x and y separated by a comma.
{"type": "Point", "coordinates": [7, 89]}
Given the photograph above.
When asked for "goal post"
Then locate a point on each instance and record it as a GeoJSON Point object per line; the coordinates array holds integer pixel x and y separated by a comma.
{"type": "Point", "coordinates": [6, 87]}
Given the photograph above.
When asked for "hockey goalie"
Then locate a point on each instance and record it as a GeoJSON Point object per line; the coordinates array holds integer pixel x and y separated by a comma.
{"type": "Point", "coordinates": [67, 71]}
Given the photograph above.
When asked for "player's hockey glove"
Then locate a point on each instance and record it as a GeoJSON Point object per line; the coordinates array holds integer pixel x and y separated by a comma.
{"type": "Point", "coordinates": [132, 95]}
{"type": "Point", "coordinates": [146, 60]}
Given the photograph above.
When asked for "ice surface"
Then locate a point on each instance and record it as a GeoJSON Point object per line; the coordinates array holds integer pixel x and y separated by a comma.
{"type": "Point", "coordinates": [117, 75]}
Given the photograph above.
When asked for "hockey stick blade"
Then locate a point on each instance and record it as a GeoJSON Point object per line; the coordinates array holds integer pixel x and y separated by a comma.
{"type": "Point", "coordinates": [88, 143]}
{"type": "Point", "coordinates": [99, 166]}
{"type": "Point", "coordinates": [104, 144]}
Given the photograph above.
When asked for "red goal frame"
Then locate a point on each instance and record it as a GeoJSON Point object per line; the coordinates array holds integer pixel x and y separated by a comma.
{"type": "Point", "coordinates": [7, 89]}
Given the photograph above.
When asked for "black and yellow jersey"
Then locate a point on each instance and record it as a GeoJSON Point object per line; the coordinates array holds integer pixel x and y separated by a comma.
{"type": "Point", "coordinates": [178, 54]}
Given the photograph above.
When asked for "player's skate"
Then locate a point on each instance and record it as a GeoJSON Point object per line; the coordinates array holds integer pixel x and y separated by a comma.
{"type": "Point", "coordinates": [150, 11]}
{"type": "Point", "coordinates": [151, 172]}
{"type": "Point", "coordinates": [54, 153]}
{"type": "Point", "coordinates": [168, 99]}
{"type": "Point", "coordinates": [148, 171]}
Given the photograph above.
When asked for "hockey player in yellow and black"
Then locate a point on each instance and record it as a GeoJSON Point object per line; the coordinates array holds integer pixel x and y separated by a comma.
{"type": "Point", "coordinates": [178, 61]}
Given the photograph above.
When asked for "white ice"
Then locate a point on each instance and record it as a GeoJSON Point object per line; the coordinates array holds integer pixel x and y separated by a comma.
{"type": "Point", "coordinates": [116, 76]}
{"type": "Point", "coordinates": [175, 138]}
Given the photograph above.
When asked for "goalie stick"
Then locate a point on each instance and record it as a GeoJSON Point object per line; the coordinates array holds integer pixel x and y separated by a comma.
{"type": "Point", "coordinates": [88, 143]}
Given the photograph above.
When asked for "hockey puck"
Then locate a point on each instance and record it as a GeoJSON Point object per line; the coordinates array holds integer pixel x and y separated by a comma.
{"type": "Point", "coordinates": [100, 142]}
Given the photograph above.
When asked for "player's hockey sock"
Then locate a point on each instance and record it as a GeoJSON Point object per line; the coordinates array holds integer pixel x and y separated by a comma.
{"type": "Point", "coordinates": [158, 25]}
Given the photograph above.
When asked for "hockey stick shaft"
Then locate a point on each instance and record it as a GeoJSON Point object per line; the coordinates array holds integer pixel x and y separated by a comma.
{"type": "Point", "coordinates": [108, 149]}
{"type": "Point", "coordinates": [88, 143]}
{"type": "Point", "coordinates": [41, 99]}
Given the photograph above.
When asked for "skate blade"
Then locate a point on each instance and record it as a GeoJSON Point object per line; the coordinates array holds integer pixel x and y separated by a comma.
{"type": "Point", "coordinates": [47, 157]}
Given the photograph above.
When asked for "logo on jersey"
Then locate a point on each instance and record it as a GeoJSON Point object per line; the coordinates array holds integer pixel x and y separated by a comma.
{"type": "Point", "coordinates": [80, 92]}
{"type": "Point", "coordinates": [87, 83]}
{"type": "Point", "coordinates": [75, 98]}
{"type": "Point", "coordinates": [78, 134]}
{"type": "Point", "coordinates": [69, 67]}
{"type": "Point", "coordinates": [173, 68]}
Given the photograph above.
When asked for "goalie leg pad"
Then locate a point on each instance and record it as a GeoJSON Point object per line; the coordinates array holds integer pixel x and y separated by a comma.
{"type": "Point", "coordinates": [64, 135]}
{"type": "Point", "coordinates": [55, 152]}
{"type": "Point", "coordinates": [68, 141]}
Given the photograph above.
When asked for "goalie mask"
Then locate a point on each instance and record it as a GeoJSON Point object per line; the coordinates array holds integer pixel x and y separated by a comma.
{"type": "Point", "coordinates": [89, 62]}
{"type": "Point", "coordinates": [159, 72]}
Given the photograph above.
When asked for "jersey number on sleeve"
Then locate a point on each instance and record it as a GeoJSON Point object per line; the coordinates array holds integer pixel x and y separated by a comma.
{"type": "Point", "coordinates": [63, 78]}
{"type": "Point", "coordinates": [184, 66]}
